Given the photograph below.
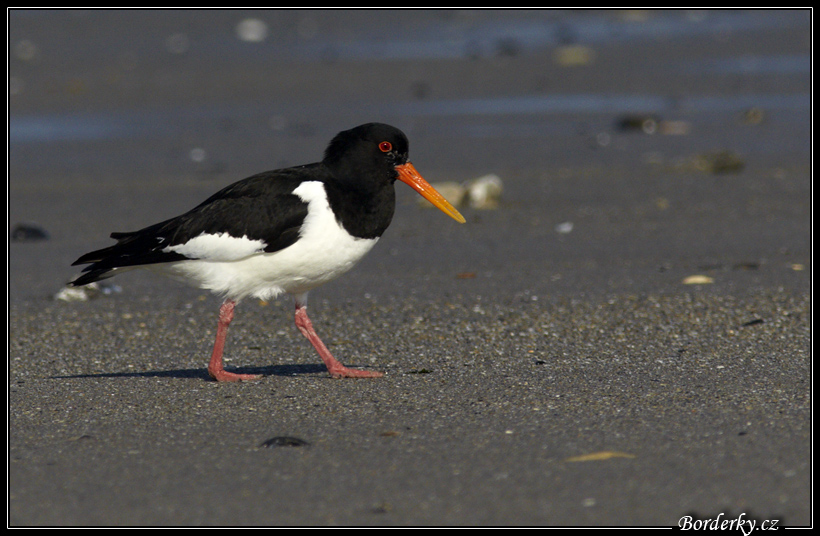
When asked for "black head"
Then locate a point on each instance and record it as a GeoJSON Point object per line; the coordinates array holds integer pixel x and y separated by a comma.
{"type": "Point", "coordinates": [372, 148]}
{"type": "Point", "coordinates": [368, 159]}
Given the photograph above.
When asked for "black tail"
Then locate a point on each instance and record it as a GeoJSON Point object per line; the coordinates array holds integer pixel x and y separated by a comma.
{"type": "Point", "coordinates": [139, 248]}
{"type": "Point", "coordinates": [90, 275]}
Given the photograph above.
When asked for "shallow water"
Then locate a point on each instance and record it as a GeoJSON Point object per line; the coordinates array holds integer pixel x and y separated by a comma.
{"type": "Point", "coordinates": [308, 37]}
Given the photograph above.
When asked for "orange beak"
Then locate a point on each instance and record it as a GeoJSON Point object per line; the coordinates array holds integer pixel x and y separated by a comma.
{"type": "Point", "coordinates": [411, 177]}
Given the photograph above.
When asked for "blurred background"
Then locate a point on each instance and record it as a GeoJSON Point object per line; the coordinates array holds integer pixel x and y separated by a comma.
{"type": "Point", "coordinates": [532, 81]}
{"type": "Point", "coordinates": [118, 118]}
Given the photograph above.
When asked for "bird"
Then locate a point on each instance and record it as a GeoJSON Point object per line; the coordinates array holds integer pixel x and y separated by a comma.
{"type": "Point", "coordinates": [285, 231]}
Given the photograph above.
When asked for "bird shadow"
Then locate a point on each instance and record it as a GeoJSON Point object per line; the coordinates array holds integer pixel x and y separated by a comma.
{"type": "Point", "coordinates": [202, 373]}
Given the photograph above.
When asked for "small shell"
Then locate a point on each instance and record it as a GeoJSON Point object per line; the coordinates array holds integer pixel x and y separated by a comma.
{"type": "Point", "coordinates": [698, 280]}
{"type": "Point", "coordinates": [485, 191]}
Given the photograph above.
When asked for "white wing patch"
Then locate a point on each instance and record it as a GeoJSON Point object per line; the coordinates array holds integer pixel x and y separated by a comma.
{"type": "Point", "coordinates": [218, 247]}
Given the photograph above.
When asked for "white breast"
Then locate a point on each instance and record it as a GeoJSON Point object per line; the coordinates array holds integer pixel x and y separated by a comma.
{"type": "Point", "coordinates": [323, 252]}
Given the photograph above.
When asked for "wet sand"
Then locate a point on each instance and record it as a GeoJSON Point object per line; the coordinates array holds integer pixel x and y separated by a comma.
{"type": "Point", "coordinates": [548, 363]}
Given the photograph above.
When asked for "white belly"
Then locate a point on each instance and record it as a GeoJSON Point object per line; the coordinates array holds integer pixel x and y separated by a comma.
{"type": "Point", "coordinates": [323, 252]}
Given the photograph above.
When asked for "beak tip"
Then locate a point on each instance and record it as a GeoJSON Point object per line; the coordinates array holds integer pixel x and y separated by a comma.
{"type": "Point", "coordinates": [409, 175]}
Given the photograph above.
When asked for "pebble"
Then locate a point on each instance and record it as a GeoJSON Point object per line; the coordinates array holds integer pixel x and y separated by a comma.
{"type": "Point", "coordinates": [28, 232]}
{"type": "Point", "coordinates": [283, 441]}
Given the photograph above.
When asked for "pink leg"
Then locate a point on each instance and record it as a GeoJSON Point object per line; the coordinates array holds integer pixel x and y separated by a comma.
{"type": "Point", "coordinates": [336, 369]}
{"type": "Point", "coordinates": [215, 366]}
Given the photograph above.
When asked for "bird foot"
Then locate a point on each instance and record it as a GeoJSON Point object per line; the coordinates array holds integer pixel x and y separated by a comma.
{"type": "Point", "coordinates": [225, 376]}
{"type": "Point", "coordinates": [344, 372]}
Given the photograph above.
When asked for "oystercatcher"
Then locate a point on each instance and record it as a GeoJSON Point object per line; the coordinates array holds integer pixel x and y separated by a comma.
{"type": "Point", "coordinates": [288, 230]}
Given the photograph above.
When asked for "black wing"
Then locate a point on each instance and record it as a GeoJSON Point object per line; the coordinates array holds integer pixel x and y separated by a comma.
{"type": "Point", "coordinates": [262, 207]}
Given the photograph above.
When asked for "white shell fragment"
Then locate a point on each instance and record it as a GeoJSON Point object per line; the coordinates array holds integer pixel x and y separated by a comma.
{"type": "Point", "coordinates": [698, 280]}
{"type": "Point", "coordinates": [481, 193]}
{"type": "Point", "coordinates": [86, 292]}
{"type": "Point", "coordinates": [485, 191]}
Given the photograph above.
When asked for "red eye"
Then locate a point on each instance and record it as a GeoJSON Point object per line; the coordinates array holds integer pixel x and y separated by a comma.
{"type": "Point", "coordinates": [385, 146]}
